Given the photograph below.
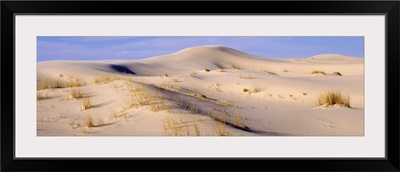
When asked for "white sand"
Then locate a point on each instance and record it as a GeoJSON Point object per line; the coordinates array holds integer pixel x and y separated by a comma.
{"type": "Point", "coordinates": [285, 104]}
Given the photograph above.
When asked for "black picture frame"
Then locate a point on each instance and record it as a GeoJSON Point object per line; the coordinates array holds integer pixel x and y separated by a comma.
{"type": "Point", "coordinates": [389, 8]}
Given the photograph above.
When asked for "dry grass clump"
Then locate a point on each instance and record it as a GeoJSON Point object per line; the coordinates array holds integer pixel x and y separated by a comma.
{"type": "Point", "coordinates": [86, 104]}
{"type": "Point", "coordinates": [58, 83]}
{"type": "Point", "coordinates": [235, 67]}
{"type": "Point", "coordinates": [304, 94]}
{"type": "Point", "coordinates": [238, 121]}
{"type": "Point", "coordinates": [337, 73]}
{"type": "Point", "coordinates": [256, 88]}
{"type": "Point", "coordinates": [175, 127]}
{"type": "Point", "coordinates": [142, 96]}
{"type": "Point", "coordinates": [273, 73]}
{"type": "Point", "coordinates": [165, 74]}
{"type": "Point", "coordinates": [221, 70]}
{"type": "Point", "coordinates": [318, 72]}
{"type": "Point", "coordinates": [245, 90]}
{"type": "Point", "coordinates": [222, 130]}
{"type": "Point", "coordinates": [76, 94]}
{"type": "Point", "coordinates": [227, 103]}
{"type": "Point", "coordinates": [102, 79]}
{"type": "Point", "coordinates": [77, 82]}
{"type": "Point", "coordinates": [41, 96]}
{"type": "Point", "coordinates": [43, 85]}
{"type": "Point", "coordinates": [158, 104]}
{"type": "Point", "coordinates": [331, 98]}
{"type": "Point", "coordinates": [207, 70]}
{"type": "Point", "coordinates": [90, 122]}
{"type": "Point", "coordinates": [246, 77]}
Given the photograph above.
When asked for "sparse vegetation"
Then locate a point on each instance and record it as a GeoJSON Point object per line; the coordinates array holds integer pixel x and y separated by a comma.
{"type": "Point", "coordinates": [235, 67]}
{"type": "Point", "coordinates": [331, 98]}
{"type": "Point", "coordinates": [76, 94]}
{"type": "Point", "coordinates": [273, 73]}
{"type": "Point", "coordinates": [304, 94]}
{"type": "Point", "coordinates": [337, 73]}
{"type": "Point", "coordinates": [165, 74]}
{"type": "Point", "coordinates": [40, 96]}
{"type": "Point", "coordinates": [245, 90]}
{"type": "Point", "coordinates": [222, 130]}
{"type": "Point", "coordinates": [222, 70]}
{"type": "Point", "coordinates": [58, 83]}
{"type": "Point", "coordinates": [174, 80]}
{"type": "Point", "coordinates": [227, 103]}
{"type": "Point", "coordinates": [238, 121]}
{"type": "Point", "coordinates": [89, 121]}
{"type": "Point", "coordinates": [246, 77]}
{"type": "Point", "coordinates": [77, 82]}
{"type": "Point", "coordinates": [86, 104]}
{"type": "Point", "coordinates": [102, 79]}
{"type": "Point", "coordinates": [256, 88]}
{"type": "Point", "coordinates": [318, 72]}
{"type": "Point", "coordinates": [43, 85]}
{"type": "Point", "coordinates": [207, 70]}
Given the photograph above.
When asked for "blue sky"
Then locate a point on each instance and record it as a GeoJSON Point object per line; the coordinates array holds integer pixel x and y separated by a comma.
{"type": "Point", "coordinates": [111, 47]}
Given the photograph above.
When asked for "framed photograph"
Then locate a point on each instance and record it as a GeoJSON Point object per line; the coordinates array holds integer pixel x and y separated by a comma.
{"type": "Point", "coordinates": [282, 86]}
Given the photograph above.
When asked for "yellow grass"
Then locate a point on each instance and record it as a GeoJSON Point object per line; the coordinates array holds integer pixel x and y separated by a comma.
{"type": "Point", "coordinates": [39, 96]}
{"type": "Point", "coordinates": [238, 121]}
{"type": "Point", "coordinates": [222, 130]}
{"type": "Point", "coordinates": [227, 103]}
{"type": "Point", "coordinates": [337, 73]}
{"type": "Point", "coordinates": [273, 73]}
{"type": "Point", "coordinates": [196, 129]}
{"type": "Point", "coordinates": [58, 83]}
{"type": "Point", "coordinates": [89, 121]}
{"type": "Point", "coordinates": [43, 85]}
{"type": "Point", "coordinates": [76, 94]}
{"type": "Point", "coordinates": [86, 104]}
{"type": "Point", "coordinates": [221, 70]}
{"type": "Point", "coordinates": [165, 74]}
{"type": "Point", "coordinates": [102, 79]}
{"type": "Point", "coordinates": [77, 82]}
{"type": "Point", "coordinates": [246, 77]}
{"type": "Point", "coordinates": [235, 67]}
{"type": "Point", "coordinates": [331, 98]}
{"type": "Point", "coordinates": [256, 88]}
{"type": "Point", "coordinates": [318, 72]}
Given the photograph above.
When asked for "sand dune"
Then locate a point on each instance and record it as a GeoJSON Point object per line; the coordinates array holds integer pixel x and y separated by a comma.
{"type": "Point", "coordinates": [207, 90]}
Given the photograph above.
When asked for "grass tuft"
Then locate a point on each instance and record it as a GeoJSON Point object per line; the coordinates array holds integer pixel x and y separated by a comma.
{"type": "Point", "coordinates": [102, 79]}
{"type": "Point", "coordinates": [331, 98]}
{"type": "Point", "coordinates": [76, 94]}
{"type": "Point", "coordinates": [318, 72]}
{"type": "Point", "coordinates": [337, 73]}
{"type": "Point", "coordinates": [246, 77]}
{"type": "Point", "coordinates": [86, 104]}
{"type": "Point", "coordinates": [235, 67]}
